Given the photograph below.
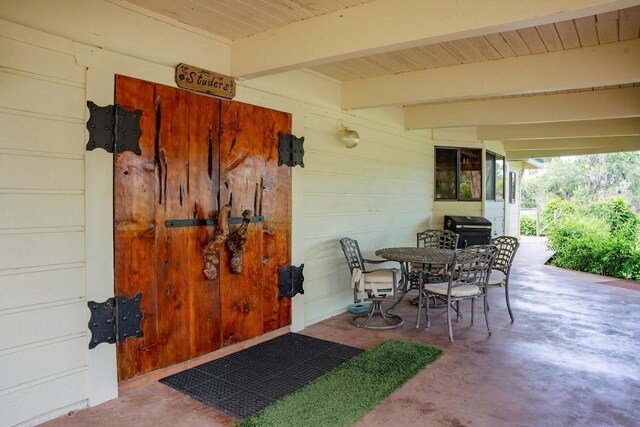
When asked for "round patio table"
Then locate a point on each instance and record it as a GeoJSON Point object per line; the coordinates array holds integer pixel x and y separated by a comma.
{"type": "Point", "coordinates": [407, 255]}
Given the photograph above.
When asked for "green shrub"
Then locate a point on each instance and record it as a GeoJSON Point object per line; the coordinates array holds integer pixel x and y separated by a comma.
{"type": "Point", "coordinates": [618, 215]}
{"type": "Point", "coordinates": [527, 226]}
{"type": "Point", "coordinates": [599, 239]}
{"type": "Point", "coordinates": [564, 207]}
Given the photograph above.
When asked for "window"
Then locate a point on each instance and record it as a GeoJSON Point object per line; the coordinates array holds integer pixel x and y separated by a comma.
{"type": "Point", "coordinates": [512, 187]}
{"type": "Point", "coordinates": [458, 174]}
{"type": "Point", "coordinates": [495, 176]}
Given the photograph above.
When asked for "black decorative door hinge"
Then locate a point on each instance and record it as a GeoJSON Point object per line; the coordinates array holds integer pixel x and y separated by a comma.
{"type": "Point", "coordinates": [290, 281]}
{"type": "Point", "coordinates": [115, 320]}
{"type": "Point", "coordinates": [114, 128]}
{"type": "Point", "coordinates": [291, 150]}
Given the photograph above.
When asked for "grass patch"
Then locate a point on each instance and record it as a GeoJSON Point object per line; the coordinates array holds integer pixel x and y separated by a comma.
{"type": "Point", "coordinates": [344, 395]}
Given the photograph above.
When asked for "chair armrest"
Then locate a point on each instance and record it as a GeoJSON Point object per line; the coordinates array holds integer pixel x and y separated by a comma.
{"type": "Point", "coordinates": [375, 261]}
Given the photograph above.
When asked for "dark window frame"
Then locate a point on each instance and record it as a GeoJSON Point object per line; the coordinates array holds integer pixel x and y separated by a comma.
{"type": "Point", "coordinates": [491, 194]}
{"type": "Point", "coordinates": [458, 171]}
{"type": "Point", "coordinates": [513, 179]}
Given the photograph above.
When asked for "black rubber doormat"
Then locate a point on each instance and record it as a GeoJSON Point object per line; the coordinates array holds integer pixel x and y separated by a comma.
{"type": "Point", "coordinates": [247, 381]}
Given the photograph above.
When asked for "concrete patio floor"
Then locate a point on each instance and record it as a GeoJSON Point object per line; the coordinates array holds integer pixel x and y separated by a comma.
{"type": "Point", "coordinates": [572, 358]}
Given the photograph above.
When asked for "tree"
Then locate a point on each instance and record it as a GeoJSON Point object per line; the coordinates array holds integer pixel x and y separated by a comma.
{"type": "Point", "coordinates": [585, 179]}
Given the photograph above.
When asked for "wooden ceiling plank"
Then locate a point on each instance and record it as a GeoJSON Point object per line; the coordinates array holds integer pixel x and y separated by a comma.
{"type": "Point", "coordinates": [533, 40]}
{"type": "Point", "coordinates": [443, 54]}
{"type": "Point", "coordinates": [499, 44]}
{"type": "Point", "coordinates": [391, 62]}
{"type": "Point", "coordinates": [568, 34]}
{"type": "Point", "coordinates": [332, 71]}
{"type": "Point", "coordinates": [382, 26]}
{"type": "Point", "coordinates": [248, 7]}
{"type": "Point", "coordinates": [380, 60]}
{"type": "Point", "coordinates": [240, 13]}
{"type": "Point", "coordinates": [516, 43]}
{"type": "Point", "coordinates": [471, 50]}
{"type": "Point", "coordinates": [487, 49]}
{"type": "Point", "coordinates": [293, 8]}
{"type": "Point", "coordinates": [267, 7]}
{"type": "Point", "coordinates": [617, 103]}
{"type": "Point", "coordinates": [435, 59]}
{"type": "Point", "coordinates": [607, 26]}
{"type": "Point", "coordinates": [352, 3]}
{"type": "Point", "coordinates": [456, 52]}
{"type": "Point", "coordinates": [587, 32]}
{"type": "Point", "coordinates": [331, 5]}
{"type": "Point", "coordinates": [550, 37]}
{"type": "Point", "coordinates": [180, 12]}
{"type": "Point", "coordinates": [586, 67]}
{"type": "Point", "coordinates": [405, 63]}
{"type": "Point", "coordinates": [371, 69]}
{"type": "Point", "coordinates": [629, 23]}
{"type": "Point", "coordinates": [419, 58]}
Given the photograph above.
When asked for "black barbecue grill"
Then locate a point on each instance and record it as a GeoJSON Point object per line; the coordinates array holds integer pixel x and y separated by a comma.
{"type": "Point", "coordinates": [473, 230]}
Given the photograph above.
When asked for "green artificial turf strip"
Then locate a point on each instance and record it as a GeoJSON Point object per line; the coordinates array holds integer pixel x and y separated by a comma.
{"type": "Point", "coordinates": [344, 395]}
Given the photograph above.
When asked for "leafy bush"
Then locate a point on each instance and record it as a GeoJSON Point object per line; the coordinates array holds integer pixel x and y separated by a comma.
{"type": "Point", "coordinates": [618, 215]}
{"type": "Point", "coordinates": [563, 207]}
{"type": "Point", "coordinates": [527, 226]}
{"type": "Point", "coordinates": [600, 238]}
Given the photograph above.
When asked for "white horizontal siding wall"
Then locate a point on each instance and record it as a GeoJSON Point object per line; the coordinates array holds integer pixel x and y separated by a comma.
{"type": "Point", "coordinates": [43, 311]}
{"type": "Point", "coordinates": [379, 193]}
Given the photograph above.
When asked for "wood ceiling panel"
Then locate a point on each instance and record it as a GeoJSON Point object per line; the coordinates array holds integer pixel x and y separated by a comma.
{"type": "Point", "coordinates": [237, 12]}
{"type": "Point", "coordinates": [499, 44]}
{"type": "Point", "coordinates": [471, 50]}
{"type": "Point", "coordinates": [268, 8]}
{"type": "Point", "coordinates": [533, 40]}
{"type": "Point", "coordinates": [487, 49]}
{"type": "Point", "coordinates": [432, 57]}
{"type": "Point", "coordinates": [419, 57]}
{"type": "Point", "coordinates": [629, 23]}
{"type": "Point", "coordinates": [607, 26]}
{"type": "Point", "coordinates": [568, 34]}
{"type": "Point", "coordinates": [443, 54]}
{"type": "Point", "coordinates": [516, 43]}
{"type": "Point", "coordinates": [587, 32]}
{"type": "Point", "coordinates": [550, 37]}
{"type": "Point", "coordinates": [457, 53]}
{"type": "Point", "coordinates": [180, 12]}
{"type": "Point", "coordinates": [405, 64]}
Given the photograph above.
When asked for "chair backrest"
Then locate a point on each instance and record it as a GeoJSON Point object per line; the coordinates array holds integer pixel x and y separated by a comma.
{"type": "Point", "coordinates": [352, 253]}
{"type": "Point", "coordinates": [507, 247]}
{"type": "Point", "coordinates": [472, 265]}
{"type": "Point", "coordinates": [443, 239]}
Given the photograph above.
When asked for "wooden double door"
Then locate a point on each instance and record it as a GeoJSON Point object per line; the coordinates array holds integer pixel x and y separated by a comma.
{"type": "Point", "coordinates": [198, 153]}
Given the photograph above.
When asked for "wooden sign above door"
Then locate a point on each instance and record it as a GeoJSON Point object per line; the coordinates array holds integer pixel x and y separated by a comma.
{"type": "Point", "coordinates": [199, 80]}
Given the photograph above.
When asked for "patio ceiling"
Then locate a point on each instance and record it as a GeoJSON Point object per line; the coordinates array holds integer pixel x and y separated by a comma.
{"type": "Point", "coordinates": [511, 68]}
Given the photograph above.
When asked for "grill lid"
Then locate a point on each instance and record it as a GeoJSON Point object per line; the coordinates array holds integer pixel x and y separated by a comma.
{"type": "Point", "coordinates": [452, 222]}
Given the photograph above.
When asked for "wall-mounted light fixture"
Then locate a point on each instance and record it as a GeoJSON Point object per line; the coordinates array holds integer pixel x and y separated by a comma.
{"type": "Point", "coordinates": [349, 137]}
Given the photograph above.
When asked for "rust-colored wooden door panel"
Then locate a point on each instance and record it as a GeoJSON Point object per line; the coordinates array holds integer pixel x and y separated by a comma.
{"type": "Point", "coordinates": [198, 152]}
{"type": "Point", "coordinates": [251, 179]}
{"type": "Point", "coordinates": [176, 177]}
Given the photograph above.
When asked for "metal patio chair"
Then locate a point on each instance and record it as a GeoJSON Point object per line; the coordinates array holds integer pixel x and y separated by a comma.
{"type": "Point", "coordinates": [442, 239]}
{"type": "Point", "coordinates": [507, 248]}
{"type": "Point", "coordinates": [375, 286]}
{"type": "Point", "coordinates": [469, 275]}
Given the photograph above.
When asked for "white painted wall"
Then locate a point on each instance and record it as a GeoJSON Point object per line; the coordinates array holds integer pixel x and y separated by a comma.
{"type": "Point", "coordinates": [56, 249]}
{"type": "Point", "coordinates": [43, 338]}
